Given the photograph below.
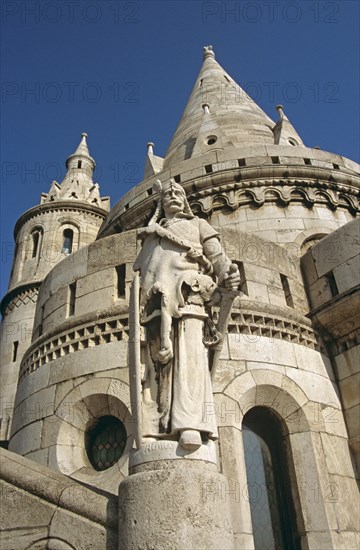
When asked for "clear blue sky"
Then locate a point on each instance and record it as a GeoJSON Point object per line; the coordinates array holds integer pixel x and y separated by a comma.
{"type": "Point", "coordinates": [122, 72]}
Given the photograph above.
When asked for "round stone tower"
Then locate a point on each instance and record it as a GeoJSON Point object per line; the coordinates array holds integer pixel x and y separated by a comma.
{"type": "Point", "coordinates": [67, 219]}
{"type": "Point", "coordinates": [283, 390]}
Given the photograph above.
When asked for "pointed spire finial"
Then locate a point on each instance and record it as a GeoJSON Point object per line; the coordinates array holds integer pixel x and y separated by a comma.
{"type": "Point", "coordinates": [81, 151]}
{"type": "Point", "coordinates": [82, 148]}
{"type": "Point", "coordinates": [280, 110]}
{"type": "Point", "coordinates": [208, 52]}
{"type": "Point", "coordinates": [284, 131]}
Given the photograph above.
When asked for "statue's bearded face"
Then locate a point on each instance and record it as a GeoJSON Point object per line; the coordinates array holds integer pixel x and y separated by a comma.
{"type": "Point", "coordinates": [173, 201]}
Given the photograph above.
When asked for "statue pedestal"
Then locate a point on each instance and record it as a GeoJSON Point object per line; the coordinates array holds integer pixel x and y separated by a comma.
{"type": "Point", "coordinates": [174, 503]}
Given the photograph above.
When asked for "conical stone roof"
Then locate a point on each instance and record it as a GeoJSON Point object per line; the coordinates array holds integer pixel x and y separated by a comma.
{"type": "Point", "coordinates": [216, 95]}
{"type": "Point", "coordinates": [82, 151]}
{"type": "Point", "coordinates": [78, 184]}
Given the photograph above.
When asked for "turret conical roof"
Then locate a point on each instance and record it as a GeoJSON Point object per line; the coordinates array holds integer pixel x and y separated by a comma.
{"type": "Point", "coordinates": [82, 151]}
{"type": "Point", "coordinates": [78, 184]}
{"type": "Point", "coordinates": [239, 119]}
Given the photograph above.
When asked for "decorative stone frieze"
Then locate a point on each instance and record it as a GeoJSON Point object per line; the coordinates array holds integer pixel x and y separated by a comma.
{"type": "Point", "coordinates": [23, 298]}
{"type": "Point", "coordinates": [232, 187]}
{"type": "Point", "coordinates": [115, 329]}
{"type": "Point", "coordinates": [271, 326]}
{"type": "Point", "coordinates": [77, 338]}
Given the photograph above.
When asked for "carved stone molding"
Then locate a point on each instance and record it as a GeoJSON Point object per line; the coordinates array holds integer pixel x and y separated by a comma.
{"type": "Point", "coordinates": [281, 192]}
{"type": "Point", "coordinates": [84, 336]}
{"type": "Point", "coordinates": [115, 329]}
{"type": "Point", "coordinates": [19, 296]}
{"type": "Point", "coordinates": [274, 327]}
{"type": "Point", "coordinates": [24, 298]}
{"type": "Point", "coordinates": [234, 187]}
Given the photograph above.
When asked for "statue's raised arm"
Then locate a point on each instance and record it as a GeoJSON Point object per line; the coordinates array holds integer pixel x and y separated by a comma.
{"type": "Point", "coordinates": [181, 264]}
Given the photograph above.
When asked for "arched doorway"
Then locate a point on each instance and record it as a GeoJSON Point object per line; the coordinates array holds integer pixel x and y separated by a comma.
{"type": "Point", "coordinates": [269, 484]}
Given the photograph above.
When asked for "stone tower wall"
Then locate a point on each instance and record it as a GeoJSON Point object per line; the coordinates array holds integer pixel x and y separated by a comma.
{"type": "Point", "coordinates": [51, 220]}
{"type": "Point", "coordinates": [331, 269]}
{"type": "Point", "coordinates": [29, 269]}
{"type": "Point", "coordinates": [276, 207]}
{"type": "Point", "coordinates": [16, 332]}
{"type": "Point", "coordinates": [76, 372]}
{"type": "Point", "coordinates": [283, 194]}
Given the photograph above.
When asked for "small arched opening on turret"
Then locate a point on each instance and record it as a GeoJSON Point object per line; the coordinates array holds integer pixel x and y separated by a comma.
{"type": "Point", "coordinates": [36, 241]}
{"type": "Point", "coordinates": [68, 240]}
{"type": "Point", "coordinates": [69, 237]}
{"type": "Point", "coordinates": [269, 482]}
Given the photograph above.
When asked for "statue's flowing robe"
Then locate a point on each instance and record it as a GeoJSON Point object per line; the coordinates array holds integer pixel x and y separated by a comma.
{"type": "Point", "coordinates": [175, 272]}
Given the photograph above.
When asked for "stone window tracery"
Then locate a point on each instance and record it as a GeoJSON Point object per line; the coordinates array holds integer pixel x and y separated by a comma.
{"type": "Point", "coordinates": [106, 442]}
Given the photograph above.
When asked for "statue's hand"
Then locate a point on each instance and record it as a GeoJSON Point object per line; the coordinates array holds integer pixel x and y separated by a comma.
{"type": "Point", "coordinates": [165, 354]}
{"type": "Point", "coordinates": [232, 279]}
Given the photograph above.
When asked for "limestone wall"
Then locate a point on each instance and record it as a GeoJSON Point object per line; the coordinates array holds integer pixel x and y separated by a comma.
{"type": "Point", "coordinates": [291, 226]}
{"type": "Point", "coordinates": [15, 336]}
{"type": "Point", "coordinates": [50, 221]}
{"type": "Point", "coordinates": [76, 368]}
{"type": "Point", "coordinates": [331, 270]}
{"type": "Point", "coordinates": [309, 191]}
{"type": "Point", "coordinates": [75, 372]}
{"type": "Point", "coordinates": [296, 383]}
{"type": "Point", "coordinates": [93, 269]}
{"type": "Point", "coordinates": [39, 236]}
{"type": "Point", "coordinates": [48, 510]}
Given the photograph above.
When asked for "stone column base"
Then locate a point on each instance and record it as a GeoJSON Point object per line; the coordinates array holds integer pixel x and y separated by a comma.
{"type": "Point", "coordinates": [174, 505]}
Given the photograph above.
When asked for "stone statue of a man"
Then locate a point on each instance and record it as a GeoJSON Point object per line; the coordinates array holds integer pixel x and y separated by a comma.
{"type": "Point", "coordinates": [181, 263]}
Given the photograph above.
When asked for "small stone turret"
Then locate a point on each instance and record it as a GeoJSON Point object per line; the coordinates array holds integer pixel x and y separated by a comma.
{"type": "Point", "coordinates": [78, 182]}
{"type": "Point", "coordinates": [67, 218]}
{"type": "Point", "coordinates": [73, 207]}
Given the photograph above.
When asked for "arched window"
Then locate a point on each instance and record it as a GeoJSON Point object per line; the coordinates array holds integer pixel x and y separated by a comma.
{"type": "Point", "coordinates": [36, 237]}
{"type": "Point", "coordinates": [68, 238]}
{"type": "Point", "coordinates": [272, 508]}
